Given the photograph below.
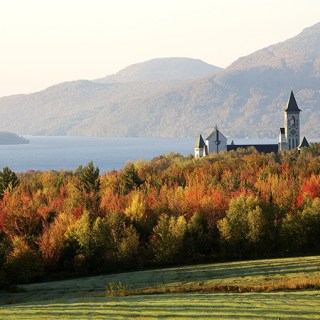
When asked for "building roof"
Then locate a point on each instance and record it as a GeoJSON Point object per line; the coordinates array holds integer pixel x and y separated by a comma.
{"type": "Point", "coordinates": [262, 148]}
{"type": "Point", "coordinates": [200, 142]}
{"type": "Point", "coordinates": [304, 143]}
{"type": "Point", "coordinates": [215, 132]}
{"type": "Point", "coordinates": [292, 105]}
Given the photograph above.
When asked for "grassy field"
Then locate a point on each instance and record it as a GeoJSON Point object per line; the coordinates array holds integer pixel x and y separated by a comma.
{"type": "Point", "coordinates": [85, 298]}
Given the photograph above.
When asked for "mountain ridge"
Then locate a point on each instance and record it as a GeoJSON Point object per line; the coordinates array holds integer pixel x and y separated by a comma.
{"type": "Point", "coordinates": [246, 99]}
{"type": "Point", "coordinates": [162, 69]}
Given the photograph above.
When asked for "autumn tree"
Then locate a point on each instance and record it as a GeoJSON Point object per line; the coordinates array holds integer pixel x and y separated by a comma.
{"type": "Point", "coordinates": [142, 217]}
{"type": "Point", "coordinates": [21, 215]}
{"type": "Point", "coordinates": [52, 239]}
{"type": "Point", "coordinates": [309, 190]}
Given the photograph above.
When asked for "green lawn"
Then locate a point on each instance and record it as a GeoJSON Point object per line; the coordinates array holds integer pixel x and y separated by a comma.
{"type": "Point", "coordinates": [283, 305]}
{"type": "Point", "coordinates": [84, 298]}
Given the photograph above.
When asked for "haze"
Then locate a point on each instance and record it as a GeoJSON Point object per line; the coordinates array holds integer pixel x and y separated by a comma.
{"type": "Point", "coordinates": [47, 42]}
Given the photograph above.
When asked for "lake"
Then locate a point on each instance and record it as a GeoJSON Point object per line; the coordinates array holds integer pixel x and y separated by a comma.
{"type": "Point", "coordinates": [67, 153]}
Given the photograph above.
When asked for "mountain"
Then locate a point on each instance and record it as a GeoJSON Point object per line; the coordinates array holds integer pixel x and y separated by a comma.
{"type": "Point", "coordinates": [259, 84]}
{"type": "Point", "coordinates": [9, 138]}
{"type": "Point", "coordinates": [301, 53]}
{"type": "Point", "coordinates": [169, 97]}
{"type": "Point", "coordinates": [164, 69]}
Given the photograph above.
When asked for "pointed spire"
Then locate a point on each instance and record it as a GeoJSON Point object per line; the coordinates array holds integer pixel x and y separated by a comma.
{"type": "Point", "coordinates": [215, 132]}
{"type": "Point", "coordinates": [304, 143]}
{"type": "Point", "coordinates": [292, 105]}
{"type": "Point", "coordinates": [200, 142]}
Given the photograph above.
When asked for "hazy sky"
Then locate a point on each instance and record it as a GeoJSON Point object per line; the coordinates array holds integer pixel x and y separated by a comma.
{"type": "Point", "coordinates": [44, 42]}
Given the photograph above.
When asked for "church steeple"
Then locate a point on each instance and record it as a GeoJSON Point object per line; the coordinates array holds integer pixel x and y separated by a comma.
{"type": "Point", "coordinates": [292, 105]}
{"type": "Point", "coordinates": [292, 123]}
{"type": "Point", "coordinates": [200, 148]}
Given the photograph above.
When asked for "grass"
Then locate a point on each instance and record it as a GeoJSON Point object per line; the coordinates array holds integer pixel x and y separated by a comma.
{"type": "Point", "coordinates": [85, 298]}
{"type": "Point", "coordinates": [283, 305]}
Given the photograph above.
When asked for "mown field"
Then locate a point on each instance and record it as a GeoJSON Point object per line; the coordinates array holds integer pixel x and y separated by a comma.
{"type": "Point", "coordinates": [86, 298]}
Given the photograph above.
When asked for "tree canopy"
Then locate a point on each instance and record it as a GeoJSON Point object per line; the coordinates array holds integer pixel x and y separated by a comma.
{"type": "Point", "coordinates": [170, 210]}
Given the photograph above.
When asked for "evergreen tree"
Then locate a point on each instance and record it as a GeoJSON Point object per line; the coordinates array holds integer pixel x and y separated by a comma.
{"type": "Point", "coordinates": [8, 180]}
{"type": "Point", "coordinates": [89, 177]}
{"type": "Point", "coordinates": [130, 179]}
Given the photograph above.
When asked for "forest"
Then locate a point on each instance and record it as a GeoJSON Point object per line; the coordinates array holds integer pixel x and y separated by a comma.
{"type": "Point", "coordinates": [172, 210]}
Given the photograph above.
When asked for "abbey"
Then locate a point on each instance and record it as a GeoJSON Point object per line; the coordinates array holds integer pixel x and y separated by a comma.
{"type": "Point", "coordinates": [289, 136]}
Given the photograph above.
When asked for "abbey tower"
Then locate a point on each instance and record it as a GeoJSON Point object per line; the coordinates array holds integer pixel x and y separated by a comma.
{"type": "Point", "coordinates": [289, 136]}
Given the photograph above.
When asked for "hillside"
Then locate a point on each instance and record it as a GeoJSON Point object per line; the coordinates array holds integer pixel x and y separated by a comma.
{"type": "Point", "coordinates": [165, 69]}
{"type": "Point", "coordinates": [231, 273]}
{"type": "Point", "coordinates": [8, 138]}
{"type": "Point", "coordinates": [104, 107]}
{"type": "Point", "coordinates": [85, 297]}
{"type": "Point", "coordinates": [181, 97]}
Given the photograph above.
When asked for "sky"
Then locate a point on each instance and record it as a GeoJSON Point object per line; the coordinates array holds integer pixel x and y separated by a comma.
{"type": "Point", "coordinates": [45, 42]}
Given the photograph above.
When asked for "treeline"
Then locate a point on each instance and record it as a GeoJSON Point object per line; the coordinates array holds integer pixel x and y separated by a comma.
{"type": "Point", "coordinates": [171, 210]}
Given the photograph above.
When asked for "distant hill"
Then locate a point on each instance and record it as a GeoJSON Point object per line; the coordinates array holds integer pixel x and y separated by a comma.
{"type": "Point", "coordinates": [161, 97]}
{"type": "Point", "coordinates": [164, 69]}
{"type": "Point", "coordinates": [8, 138]}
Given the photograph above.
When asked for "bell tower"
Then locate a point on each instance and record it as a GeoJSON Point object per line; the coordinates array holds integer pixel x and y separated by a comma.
{"type": "Point", "coordinates": [292, 123]}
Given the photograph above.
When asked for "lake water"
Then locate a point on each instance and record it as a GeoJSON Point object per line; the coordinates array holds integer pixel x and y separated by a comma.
{"type": "Point", "coordinates": [67, 153]}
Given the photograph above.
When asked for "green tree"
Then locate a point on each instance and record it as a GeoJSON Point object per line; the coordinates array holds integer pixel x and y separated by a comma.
{"type": "Point", "coordinates": [246, 228]}
{"type": "Point", "coordinates": [23, 265]}
{"type": "Point", "coordinates": [130, 179]}
{"type": "Point", "coordinates": [101, 243]}
{"type": "Point", "coordinates": [198, 241]}
{"type": "Point", "coordinates": [311, 225]}
{"type": "Point", "coordinates": [234, 227]}
{"type": "Point", "coordinates": [80, 231]}
{"type": "Point", "coordinates": [292, 233]}
{"type": "Point", "coordinates": [127, 248]}
{"type": "Point", "coordinates": [5, 249]}
{"type": "Point", "coordinates": [168, 239]}
{"type": "Point", "coordinates": [90, 186]}
{"type": "Point", "coordinates": [300, 231]}
{"type": "Point", "coordinates": [8, 180]}
{"type": "Point", "coordinates": [89, 177]}
{"type": "Point", "coordinates": [125, 240]}
{"type": "Point", "coordinates": [5, 246]}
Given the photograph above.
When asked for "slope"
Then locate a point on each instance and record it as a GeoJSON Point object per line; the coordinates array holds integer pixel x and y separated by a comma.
{"type": "Point", "coordinates": [105, 107]}
{"type": "Point", "coordinates": [85, 298]}
{"type": "Point", "coordinates": [245, 100]}
{"type": "Point", "coordinates": [163, 69]}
